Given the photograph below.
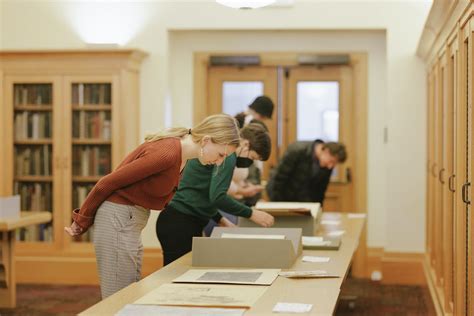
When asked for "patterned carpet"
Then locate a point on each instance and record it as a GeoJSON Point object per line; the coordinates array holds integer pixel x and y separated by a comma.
{"type": "Point", "coordinates": [371, 298]}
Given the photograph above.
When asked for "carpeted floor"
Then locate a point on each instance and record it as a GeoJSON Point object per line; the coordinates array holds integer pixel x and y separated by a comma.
{"type": "Point", "coordinates": [371, 298]}
{"type": "Point", "coordinates": [374, 298]}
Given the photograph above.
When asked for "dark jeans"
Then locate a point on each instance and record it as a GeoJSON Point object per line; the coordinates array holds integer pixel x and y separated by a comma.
{"type": "Point", "coordinates": [175, 231]}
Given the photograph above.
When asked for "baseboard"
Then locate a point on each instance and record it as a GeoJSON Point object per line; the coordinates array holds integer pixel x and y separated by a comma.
{"type": "Point", "coordinates": [73, 270]}
{"type": "Point", "coordinates": [431, 283]}
{"type": "Point", "coordinates": [396, 267]}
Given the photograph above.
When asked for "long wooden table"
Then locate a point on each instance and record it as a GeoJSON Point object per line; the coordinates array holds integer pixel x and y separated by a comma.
{"type": "Point", "coordinates": [322, 293]}
{"type": "Point", "coordinates": [7, 252]}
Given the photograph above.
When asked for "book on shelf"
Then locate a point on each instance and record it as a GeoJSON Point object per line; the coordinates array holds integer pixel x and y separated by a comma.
{"type": "Point", "coordinates": [91, 160]}
{"type": "Point", "coordinates": [91, 93]}
{"type": "Point", "coordinates": [32, 125]}
{"type": "Point", "coordinates": [32, 94]}
{"type": "Point", "coordinates": [91, 125]}
{"type": "Point", "coordinates": [33, 160]}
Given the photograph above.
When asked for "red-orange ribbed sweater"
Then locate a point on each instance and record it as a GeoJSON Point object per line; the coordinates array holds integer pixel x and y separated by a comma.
{"type": "Point", "coordinates": [147, 177]}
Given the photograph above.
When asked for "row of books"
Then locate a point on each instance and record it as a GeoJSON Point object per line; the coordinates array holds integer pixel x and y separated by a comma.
{"type": "Point", "coordinates": [91, 160]}
{"type": "Point", "coordinates": [91, 93]}
{"type": "Point", "coordinates": [94, 124]}
{"type": "Point", "coordinates": [33, 125]}
{"type": "Point", "coordinates": [30, 94]}
{"type": "Point", "coordinates": [79, 194]}
{"type": "Point", "coordinates": [42, 232]}
{"type": "Point", "coordinates": [34, 196]}
{"type": "Point", "coordinates": [33, 160]}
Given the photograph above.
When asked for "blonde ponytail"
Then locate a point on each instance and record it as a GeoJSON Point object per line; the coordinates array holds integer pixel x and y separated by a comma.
{"type": "Point", "coordinates": [222, 129]}
{"type": "Point", "coordinates": [169, 132]}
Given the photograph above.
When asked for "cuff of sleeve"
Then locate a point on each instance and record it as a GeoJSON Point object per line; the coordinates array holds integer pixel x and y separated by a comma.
{"type": "Point", "coordinates": [247, 213]}
{"type": "Point", "coordinates": [217, 217]}
{"type": "Point", "coordinates": [83, 221]}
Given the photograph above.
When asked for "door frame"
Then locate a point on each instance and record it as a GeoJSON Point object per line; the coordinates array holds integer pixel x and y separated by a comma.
{"type": "Point", "coordinates": [359, 64]}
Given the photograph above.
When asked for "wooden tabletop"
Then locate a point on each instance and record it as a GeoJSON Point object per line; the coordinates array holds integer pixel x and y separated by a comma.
{"type": "Point", "coordinates": [322, 293]}
{"type": "Point", "coordinates": [26, 219]}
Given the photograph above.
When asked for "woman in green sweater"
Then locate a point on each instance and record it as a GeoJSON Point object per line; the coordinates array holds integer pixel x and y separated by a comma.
{"type": "Point", "coordinates": [202, 192]}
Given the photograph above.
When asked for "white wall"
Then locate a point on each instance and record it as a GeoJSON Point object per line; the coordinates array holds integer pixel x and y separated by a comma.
{"type": "Point", "coordinates": [1, 24]}
{"type": "Point", "coordinates": [396, 209]}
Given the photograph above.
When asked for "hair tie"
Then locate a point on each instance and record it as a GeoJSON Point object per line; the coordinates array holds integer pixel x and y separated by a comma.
{"type": "Point", "coordinates": [189, 131]}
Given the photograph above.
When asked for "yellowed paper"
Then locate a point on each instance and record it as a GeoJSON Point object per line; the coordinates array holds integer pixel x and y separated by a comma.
{"type": "Point", "coordinates": [229, 276]}
{"type": "Point", "coordinates": [289, 207]}
{"type": "Point", "coordinates": [203, 295]}
{"type": "Point", "coordinates": [307, 274]}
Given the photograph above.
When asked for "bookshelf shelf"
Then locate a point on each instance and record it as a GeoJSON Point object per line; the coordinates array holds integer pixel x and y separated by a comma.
{"type": "Point", "coordinates": [44, 141]}
{"type": "Point", "coordinates": [87, 179]}
{"type": "Point", "coordinates": [34, 178]}
{"type": "Point", "coordinates": [92, 107]}
{"type": "Point", "coordinates": [33, 107]}
{"type": "Point", "coordinates": [65, 123]}
{"type": "Point", "coordinates": [90, 141]}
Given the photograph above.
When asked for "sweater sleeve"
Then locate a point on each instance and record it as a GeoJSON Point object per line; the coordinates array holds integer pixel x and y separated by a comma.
{"type": "Point", "coordinates": [125, 175]}
{"type": "Point", "coordinates": [220, 183]}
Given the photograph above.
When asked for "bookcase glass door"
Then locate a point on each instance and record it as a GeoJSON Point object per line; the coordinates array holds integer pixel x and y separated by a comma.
{"type": "Point", "coordinates": [91, 155]}
{"type": "Point", "coordinates": [33, 155]}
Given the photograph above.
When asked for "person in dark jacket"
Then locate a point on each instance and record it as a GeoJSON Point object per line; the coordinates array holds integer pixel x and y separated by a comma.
{"type": "Point", "coordinates": [304, 171]}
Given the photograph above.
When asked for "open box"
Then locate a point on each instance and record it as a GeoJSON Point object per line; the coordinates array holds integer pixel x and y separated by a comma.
{"type": "Point", "coordinates": [247, 248]}
{"type": "Point", "coordinates": [290, 215]}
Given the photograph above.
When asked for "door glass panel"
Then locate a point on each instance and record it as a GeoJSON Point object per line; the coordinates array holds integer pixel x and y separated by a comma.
{"type": "Point", "coordinates": [317, 110]}
{"type": "Point", "coordinates": [237, 95]}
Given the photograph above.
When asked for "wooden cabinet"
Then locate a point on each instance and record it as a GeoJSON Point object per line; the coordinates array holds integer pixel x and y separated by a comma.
{"type": "Point", "coordinates": [68, 118]}
{"type": "Point", "coordinates": [449, 261]}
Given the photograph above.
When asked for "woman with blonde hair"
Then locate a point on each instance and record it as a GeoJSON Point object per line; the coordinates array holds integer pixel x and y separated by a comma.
{"type": "Point", "coordinates": [147, 178]}
{"type": "Point", "coordinates": [203, 191]}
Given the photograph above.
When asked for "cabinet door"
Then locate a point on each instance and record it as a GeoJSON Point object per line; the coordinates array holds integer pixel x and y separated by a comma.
{"type": "Point", "coordinates": [90, 105]}
{"type": "Point", "coordinates": [469, 49]}
{"type": "Point", "coordinates": [31, 145]}
{"type": "Point", "coordinates": [429, 177]}
{"type": "Point", "coordinates": [451, 89]}
{"type": "Point", "coordinates": [463, 174]}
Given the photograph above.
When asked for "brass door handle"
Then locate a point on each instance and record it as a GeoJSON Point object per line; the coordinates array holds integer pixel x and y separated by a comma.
{"type": "Point", "coordinates": [440, 175]}
{"type": "Point", "coordinates": [464, 194]}
{"type": "Point", "coordinates": [451, 183]}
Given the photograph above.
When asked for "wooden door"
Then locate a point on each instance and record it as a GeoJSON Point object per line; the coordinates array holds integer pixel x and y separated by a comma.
{"type": "Point", "coordinates": [319, 105]}
{"type": "Point", "coordinates": [232, 89]}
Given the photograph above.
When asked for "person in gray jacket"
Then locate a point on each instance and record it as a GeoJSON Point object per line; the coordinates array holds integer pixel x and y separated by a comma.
{"type": "Point", "coordinates": [304, 171]}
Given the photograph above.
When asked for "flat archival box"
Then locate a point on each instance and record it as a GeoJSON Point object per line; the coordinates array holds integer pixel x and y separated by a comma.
{"type": "Point", "coordinates": [290, 215]}
{"type": "Point", "coordinates": [223, 249]}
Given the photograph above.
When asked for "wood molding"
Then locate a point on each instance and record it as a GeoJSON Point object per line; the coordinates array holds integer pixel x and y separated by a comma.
{"type": "Point", "coordinates": [442, 19]}
{"type": "Point", "coordinates": [431, 283]}
{"type": "Point", "coordinates": [396, 267]}
{"type": "Point", "coordinates": [79, 270]}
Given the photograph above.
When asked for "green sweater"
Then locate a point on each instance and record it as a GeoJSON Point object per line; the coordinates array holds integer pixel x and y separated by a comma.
{"type": "Point", "coordinates": [203, 190]}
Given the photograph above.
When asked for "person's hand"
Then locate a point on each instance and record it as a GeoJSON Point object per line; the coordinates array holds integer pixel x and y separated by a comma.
{"type": "Point", "coordinates": [224, 222]}
{"type": "Point", "coordinates": [250, 190]}
{"type": "Point", "coordinates": [74, 229]}
{"type": "Point", "coordinates": [262, 218]}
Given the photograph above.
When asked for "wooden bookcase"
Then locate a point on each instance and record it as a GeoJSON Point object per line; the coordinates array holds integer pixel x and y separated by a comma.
{"type": "Point", "coordinates": [67, 118]}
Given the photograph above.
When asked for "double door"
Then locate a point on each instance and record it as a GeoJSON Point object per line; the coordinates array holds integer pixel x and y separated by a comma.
{"type": "Point", "coordinates": [310, 103]}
